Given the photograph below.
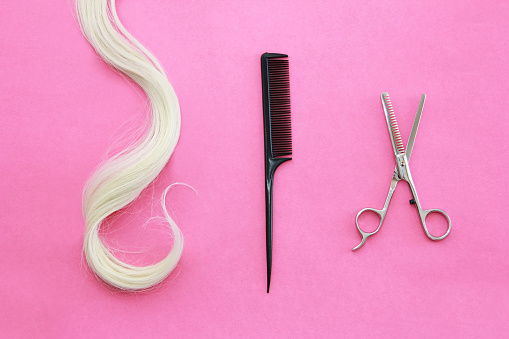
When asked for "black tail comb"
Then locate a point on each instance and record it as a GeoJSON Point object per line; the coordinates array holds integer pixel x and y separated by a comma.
{"type": "Point", "coordinates": [277, 131]}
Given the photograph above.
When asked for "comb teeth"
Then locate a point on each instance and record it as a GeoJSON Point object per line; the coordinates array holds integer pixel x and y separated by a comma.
{"type": "Point", "coordinates": [400, 148]}
{"type": "Point", "coordinates": [279, 107]}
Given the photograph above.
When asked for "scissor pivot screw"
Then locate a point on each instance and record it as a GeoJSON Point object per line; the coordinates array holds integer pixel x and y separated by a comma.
{"type": "Point", "coordinates": [412, 202]}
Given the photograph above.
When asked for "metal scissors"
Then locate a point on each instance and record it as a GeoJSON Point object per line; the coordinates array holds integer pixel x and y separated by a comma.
{"type": "Point", "coordinates": [401, 172]}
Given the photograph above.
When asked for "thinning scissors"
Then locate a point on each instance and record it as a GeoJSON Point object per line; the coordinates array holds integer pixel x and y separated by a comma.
{"type": "Point", "coordinates": [401, 172]}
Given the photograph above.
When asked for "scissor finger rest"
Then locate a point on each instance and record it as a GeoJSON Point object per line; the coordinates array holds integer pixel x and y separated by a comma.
{"type": "Point", "coordinates": [424, 214]}
{"type": "Point", "coordinates": [366, 234]}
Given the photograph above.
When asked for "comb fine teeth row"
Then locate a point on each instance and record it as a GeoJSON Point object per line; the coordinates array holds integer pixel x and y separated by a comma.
{"type": "Point", "coordinates": [280, 118]}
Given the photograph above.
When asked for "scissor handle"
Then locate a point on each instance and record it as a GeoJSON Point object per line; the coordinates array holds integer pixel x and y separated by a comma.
{"type": "Point", "coordinates": [365, 235]}
{"type": "Point", "coordinates": [424, 213]}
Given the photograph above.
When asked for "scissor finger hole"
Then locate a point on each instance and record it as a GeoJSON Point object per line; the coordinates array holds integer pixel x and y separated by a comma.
{"type": "Point", "coordinates": [369, 221]}
{"type": "Point", "coordinates": [436, 223]}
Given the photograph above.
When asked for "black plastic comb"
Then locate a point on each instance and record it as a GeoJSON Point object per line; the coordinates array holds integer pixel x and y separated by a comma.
{"type": "Point", "coordinates": [277, 131]}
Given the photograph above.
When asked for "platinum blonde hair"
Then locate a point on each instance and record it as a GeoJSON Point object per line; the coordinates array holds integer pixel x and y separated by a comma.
{"type": "Point", "coordinates": [121, 179]}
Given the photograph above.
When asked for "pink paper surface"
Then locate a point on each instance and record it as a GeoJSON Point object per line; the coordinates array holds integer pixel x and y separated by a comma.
{"type": "Point", "coordinates": [62, 109]}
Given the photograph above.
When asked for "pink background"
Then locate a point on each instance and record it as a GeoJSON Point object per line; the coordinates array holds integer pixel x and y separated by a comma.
{"type": "Point", "coordinates": [62, 108]}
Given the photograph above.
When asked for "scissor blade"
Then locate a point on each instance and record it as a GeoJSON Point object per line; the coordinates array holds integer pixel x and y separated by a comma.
{"type": "Point", "coordinates": [392, 124]}
{"type": "Point", "coordinates": [415, 126]}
